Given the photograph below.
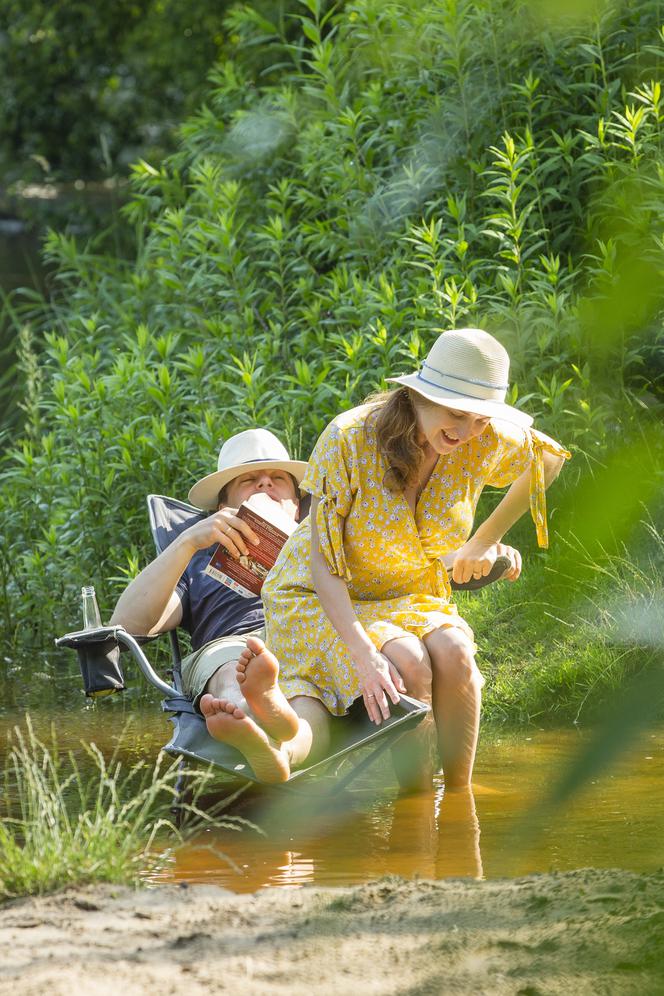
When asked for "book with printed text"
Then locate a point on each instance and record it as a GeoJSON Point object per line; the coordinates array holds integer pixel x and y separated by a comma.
{"type": "Point", "coordinates": [245, 575]}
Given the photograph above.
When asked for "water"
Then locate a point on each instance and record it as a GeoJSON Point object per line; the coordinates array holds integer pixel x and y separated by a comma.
{"type": "Point", "coordinates": [370, 832]}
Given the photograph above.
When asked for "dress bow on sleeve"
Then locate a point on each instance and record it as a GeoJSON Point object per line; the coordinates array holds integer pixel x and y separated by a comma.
{"type": "Point", "coordinates": [540, 443]}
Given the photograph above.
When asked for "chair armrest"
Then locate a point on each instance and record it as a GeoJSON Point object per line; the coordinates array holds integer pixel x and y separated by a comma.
{"type": "Point", "coordinates": [99, 648]}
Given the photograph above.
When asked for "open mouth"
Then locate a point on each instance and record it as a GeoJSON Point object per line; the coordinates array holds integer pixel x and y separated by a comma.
{"type": "Point", "coordinates": [448, 439]}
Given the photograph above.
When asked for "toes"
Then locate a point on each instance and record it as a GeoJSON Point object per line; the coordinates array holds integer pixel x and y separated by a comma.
{"type": "Point", "coordinates": [255, 644]}
{"type": "Point", "coordinates": [231, 709]}
{"type": "Point", "coordinates": [210, 706]}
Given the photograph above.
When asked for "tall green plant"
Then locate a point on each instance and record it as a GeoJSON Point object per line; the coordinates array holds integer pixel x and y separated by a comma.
{"type": "Point", "coordinates": [384, 171]}
{"type": "Point", "coordinates": [68, 821]}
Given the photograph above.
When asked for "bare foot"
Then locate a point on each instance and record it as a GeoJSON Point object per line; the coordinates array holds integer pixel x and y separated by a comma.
{"type": "Point", "coordinates": [228, 723]}
{"type": "Point", "coordinates": [257, 673]}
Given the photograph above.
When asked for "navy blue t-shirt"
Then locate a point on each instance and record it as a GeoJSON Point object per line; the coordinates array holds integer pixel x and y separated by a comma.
{"type": "Point", "coordinates": [209, 608]}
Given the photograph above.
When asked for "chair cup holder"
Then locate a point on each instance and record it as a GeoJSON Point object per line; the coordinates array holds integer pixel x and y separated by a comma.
{"type": "Point", "coordinates": [100, 667]}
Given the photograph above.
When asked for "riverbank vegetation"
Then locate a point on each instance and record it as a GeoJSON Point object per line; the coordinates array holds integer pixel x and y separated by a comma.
{"type": "Point", "coordinates": [85, 91]}
{"type": "Point", "coordinates": [382, 172]}
{"type": "Point", "coordinates": [68, 820]}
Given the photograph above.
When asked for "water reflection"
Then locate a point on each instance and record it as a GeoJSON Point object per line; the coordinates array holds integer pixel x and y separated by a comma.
{"type": "Point", "coordinates": [369, 831]}
{"type": "Point", "coordinates": [355, 838]}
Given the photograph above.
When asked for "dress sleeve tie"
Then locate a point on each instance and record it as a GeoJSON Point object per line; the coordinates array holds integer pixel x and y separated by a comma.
{"type": "Point", "coordinates": [541, 442]}
{"type": "Point", "coordinates": [330, 537]}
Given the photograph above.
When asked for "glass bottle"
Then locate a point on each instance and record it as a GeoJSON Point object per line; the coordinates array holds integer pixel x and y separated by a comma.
{"type": "Point", "coordinates": [91, 617]}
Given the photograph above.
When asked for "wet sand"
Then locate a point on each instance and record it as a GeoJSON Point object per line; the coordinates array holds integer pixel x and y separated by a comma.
{"type": "Point", "coordinates": [577, 932]}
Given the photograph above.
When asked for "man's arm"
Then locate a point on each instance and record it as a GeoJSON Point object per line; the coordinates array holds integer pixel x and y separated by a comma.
{"type": "Point", "coordinates": [150, 603]}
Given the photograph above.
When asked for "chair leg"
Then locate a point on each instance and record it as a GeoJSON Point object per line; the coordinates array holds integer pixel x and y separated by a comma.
{"type": "Point", "coordinates": [364, 764]}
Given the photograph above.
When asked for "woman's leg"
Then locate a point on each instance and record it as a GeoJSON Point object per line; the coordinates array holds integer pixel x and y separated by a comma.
{"type": "Point", "coordinates": [312, 740]}
{"type": "Point", "coordinates": [457, 699]}
{"type": "Point", "coordinates": [412, 756]}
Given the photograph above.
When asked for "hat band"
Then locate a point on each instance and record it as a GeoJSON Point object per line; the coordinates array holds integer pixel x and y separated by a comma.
{"type": "Point", "coordinates": [482, 390]}
{"type": "Point", "coordinates": [244, 463]}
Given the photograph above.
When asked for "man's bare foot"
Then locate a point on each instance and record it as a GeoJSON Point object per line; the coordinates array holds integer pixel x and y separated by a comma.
{"type": "Point", "coordinates": [228, 723]}
{"type": "Point", "coordinates": [257, 674]}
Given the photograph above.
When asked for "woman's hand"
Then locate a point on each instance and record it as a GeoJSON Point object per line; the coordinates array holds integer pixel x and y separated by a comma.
{"type": "Point", "coordinates": [379, 679]}
{"type": "Point", "coordinates": [223, 527]}
{"type": "Point", "coordinates": [475, 560]}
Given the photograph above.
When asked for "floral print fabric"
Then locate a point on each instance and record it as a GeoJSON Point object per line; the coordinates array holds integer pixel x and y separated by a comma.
{"type": "Point", "coordinates": [389, 558]}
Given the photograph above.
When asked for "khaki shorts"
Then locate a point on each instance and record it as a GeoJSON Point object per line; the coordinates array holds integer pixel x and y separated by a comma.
{"type": "Point", "coordinates": [198, 668]}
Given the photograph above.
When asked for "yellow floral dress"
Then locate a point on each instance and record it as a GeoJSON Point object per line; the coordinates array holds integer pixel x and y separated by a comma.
{"type": "Point", "coordinates": [390, 559]}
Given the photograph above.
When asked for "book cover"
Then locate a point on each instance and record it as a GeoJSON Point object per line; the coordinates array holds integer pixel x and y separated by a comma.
{"type": "Point", "coordinates": [246, 574]}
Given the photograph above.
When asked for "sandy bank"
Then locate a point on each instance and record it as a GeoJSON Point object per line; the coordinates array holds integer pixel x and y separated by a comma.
{"type": "Point", "coordinates": [580, 932]}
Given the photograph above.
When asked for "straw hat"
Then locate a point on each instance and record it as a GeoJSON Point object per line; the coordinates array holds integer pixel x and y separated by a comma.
{"type": "Point", "coordinates": [253, 449]}
{"type": "Point", "coordinates": [466, 369]}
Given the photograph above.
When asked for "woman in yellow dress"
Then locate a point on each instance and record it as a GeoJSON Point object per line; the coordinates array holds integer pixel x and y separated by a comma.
{"type": "Point", "coordinates": [359, 602]}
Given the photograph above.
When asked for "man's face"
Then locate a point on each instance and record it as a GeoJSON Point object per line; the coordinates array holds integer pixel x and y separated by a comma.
{"type": "Point", "coordinates": [277, 484]}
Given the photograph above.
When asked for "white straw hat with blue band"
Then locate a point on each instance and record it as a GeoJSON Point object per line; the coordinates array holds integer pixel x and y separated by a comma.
{"type": "Point", "coordinates": [467, 370]}
{"type": "Point", "coordinates": [253, 449]}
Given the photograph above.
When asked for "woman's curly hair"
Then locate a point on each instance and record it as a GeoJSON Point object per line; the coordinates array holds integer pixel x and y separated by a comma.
{"type": "Point", "coordinates": [394, 420]}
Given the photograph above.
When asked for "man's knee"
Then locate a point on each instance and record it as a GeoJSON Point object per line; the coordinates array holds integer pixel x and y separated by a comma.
{"type": "Point", "coordinates": [223, 683]}
{"type": "Point", "coordinates": [453, 658]}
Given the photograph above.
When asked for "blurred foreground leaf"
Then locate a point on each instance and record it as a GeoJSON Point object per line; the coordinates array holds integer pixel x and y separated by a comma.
{"type": "Point", "coordinates": [634, 711]}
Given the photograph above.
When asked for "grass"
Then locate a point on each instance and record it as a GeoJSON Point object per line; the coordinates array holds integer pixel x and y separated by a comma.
{"type": "Point", "coordinates": [70, 823]}
{"type": "Point", "coordinates": [560, 644]}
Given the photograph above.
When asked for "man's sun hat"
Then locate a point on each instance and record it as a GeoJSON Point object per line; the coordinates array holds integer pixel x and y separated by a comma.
{"type": "Point", "coordinates": [253, 449]}
{"type": "Point", "coordinates": [467, 370]}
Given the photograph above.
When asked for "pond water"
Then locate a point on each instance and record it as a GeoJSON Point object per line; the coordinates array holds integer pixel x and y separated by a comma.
{"type": "Point", "coordinates": [370, 831]}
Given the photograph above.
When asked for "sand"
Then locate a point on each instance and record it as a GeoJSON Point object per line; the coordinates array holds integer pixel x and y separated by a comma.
{"type": "Point", "coordinates": [573, 933]}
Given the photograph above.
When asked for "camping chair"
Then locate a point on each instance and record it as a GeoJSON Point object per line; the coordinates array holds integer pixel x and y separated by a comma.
{"type": "Point", "coordinates": [99, 656]}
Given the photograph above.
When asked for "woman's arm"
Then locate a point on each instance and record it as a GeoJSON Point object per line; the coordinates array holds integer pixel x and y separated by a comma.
{"type": "Point", "coordinates": [377, 675]}
{"type": "Point", "coordinates": [478, 554]}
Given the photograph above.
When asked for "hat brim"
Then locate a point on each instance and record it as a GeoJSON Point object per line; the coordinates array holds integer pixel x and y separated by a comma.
{"type": "Point", "coordinates": [462, 403]}
{"type": "Point", "coordinates": [205, 493]}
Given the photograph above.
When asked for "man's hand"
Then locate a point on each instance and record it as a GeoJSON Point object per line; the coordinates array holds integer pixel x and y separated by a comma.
{"type": "Point", "coordinates": [475, 560]}
{"type": "Point", "coordinates": [224, 527]}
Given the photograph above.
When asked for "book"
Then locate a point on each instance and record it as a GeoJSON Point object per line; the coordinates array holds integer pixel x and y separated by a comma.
{"type": "Point", "coordinates": [245, 575]}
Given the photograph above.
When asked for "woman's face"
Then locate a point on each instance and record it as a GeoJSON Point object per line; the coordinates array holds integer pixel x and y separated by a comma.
{"type": "Point", "coordinates": [445, 429]}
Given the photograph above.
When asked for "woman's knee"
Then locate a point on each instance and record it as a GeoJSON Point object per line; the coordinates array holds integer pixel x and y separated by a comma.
{"type": "Point", "coordinates": [411, 659]}
{"type": "Point", "coordinates": [453, 658]}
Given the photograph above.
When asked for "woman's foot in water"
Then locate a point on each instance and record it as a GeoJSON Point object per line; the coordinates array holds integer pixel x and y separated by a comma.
{"type": "Point", "coordinates": [257, 675]}
{"type": "Point", "coordinates": [228, 723]}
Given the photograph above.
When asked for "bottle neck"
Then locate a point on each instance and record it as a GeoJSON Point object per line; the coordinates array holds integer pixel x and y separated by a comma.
{"type": "Point", "coordinates": [91, 616]}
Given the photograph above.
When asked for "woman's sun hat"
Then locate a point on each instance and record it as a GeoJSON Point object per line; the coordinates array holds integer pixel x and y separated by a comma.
{"type": "Point", "coordinates": [253, 449]}
{"type": "Point", "coordinates": [467, 370]}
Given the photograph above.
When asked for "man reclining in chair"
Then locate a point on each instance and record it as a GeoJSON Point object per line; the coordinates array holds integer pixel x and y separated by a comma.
{"type": "Point", "coordinates": [174, 590]}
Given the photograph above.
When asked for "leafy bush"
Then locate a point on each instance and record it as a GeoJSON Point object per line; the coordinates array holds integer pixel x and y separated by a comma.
{"type": "Point", "coordinates": [384, 172]}
{"type": "Point", "coordinates": [86, 88]}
